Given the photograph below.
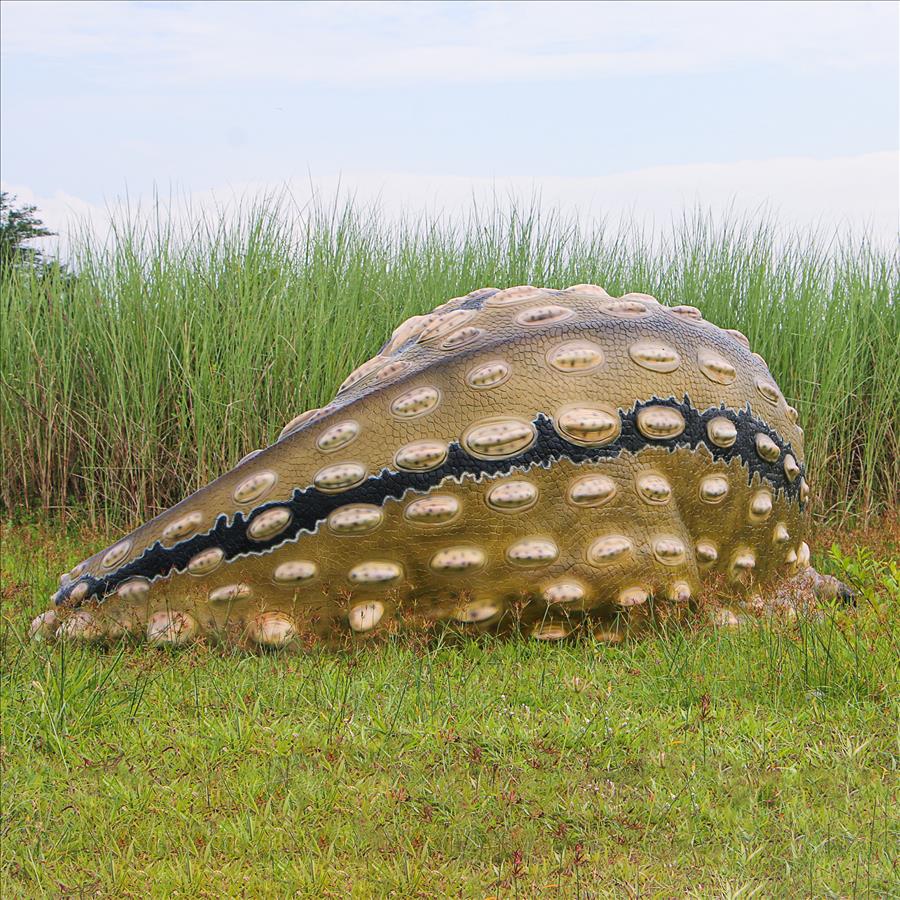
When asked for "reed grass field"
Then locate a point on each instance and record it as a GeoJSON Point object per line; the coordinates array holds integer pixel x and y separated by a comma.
{"type": "Point", "coordinates": [700, 761]}
{"type": "Point", "coordinates": [174, 353]}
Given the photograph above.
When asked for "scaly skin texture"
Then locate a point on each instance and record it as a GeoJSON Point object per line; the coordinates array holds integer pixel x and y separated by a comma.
{"type": "Point", "coordinates": [550, 459]}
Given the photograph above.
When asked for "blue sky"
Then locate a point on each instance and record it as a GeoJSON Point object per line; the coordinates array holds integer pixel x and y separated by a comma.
{"type": "Point", "coordinates": [640, 106]}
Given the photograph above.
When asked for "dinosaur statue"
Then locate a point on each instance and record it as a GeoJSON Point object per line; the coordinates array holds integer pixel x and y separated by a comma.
{"type": "Point", "coordinates": [560, 460]}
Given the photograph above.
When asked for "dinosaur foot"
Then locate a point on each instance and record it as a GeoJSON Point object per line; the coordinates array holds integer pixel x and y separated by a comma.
{"type": "Point", "coordinates": [801, 595]}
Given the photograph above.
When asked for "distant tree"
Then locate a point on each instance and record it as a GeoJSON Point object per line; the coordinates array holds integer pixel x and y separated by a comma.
{"type": "Point", "coordinates": [18, 225]}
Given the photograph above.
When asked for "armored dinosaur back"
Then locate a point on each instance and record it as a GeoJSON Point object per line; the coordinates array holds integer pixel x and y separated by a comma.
{"type": "Point", "coordinates": [555, 459]}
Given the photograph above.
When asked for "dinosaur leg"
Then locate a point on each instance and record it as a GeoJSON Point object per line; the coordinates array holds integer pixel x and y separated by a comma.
{"type": "Point", "coordinates": [801, 592]}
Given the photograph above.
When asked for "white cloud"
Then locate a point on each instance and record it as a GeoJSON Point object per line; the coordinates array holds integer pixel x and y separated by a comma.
{"type": "Point", "coordinates": [345, 42]}
{"type": "Point", "coordinates": [844, 195]}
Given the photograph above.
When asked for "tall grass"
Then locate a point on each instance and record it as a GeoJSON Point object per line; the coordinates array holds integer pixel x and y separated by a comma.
{"type": "Point", "coordinates": [173, 354]}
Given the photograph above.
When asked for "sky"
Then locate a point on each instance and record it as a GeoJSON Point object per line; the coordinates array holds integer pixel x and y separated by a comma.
{"type": "Point", "coordinates": [604, 109]}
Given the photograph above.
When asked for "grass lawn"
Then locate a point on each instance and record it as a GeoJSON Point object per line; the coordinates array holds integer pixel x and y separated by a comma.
{"type": "Point", "coordinates": [704, 763]}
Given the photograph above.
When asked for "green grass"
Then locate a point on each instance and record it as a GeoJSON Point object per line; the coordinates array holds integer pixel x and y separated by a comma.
{"type": "Point", "coordinates": [759, 763]}
{"type": "Point", "coordinates": [173, 354]}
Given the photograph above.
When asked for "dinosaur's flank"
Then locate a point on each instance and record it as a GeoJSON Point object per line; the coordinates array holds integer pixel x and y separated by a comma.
{"type": "Point", "coordinates": [553, 460]}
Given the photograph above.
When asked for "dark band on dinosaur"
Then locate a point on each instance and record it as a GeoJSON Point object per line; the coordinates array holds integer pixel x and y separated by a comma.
{"type": "Point", "coordinates": [309, 506]}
